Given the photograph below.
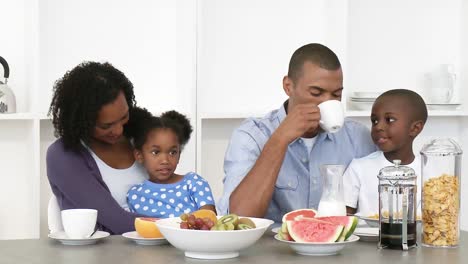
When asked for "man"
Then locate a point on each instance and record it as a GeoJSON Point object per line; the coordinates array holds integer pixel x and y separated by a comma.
{"type": "Point", "coordinates": [272, 163]}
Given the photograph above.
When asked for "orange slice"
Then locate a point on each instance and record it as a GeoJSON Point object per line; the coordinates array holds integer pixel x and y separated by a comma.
{"type": "Point", "coordinates": [146, 227]}
{"type": "Point", "coordinates": [202, 213]}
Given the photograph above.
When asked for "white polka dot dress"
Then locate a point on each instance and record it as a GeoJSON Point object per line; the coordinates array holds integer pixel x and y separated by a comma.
{"type": "Point", "coordinates": [170, 200]}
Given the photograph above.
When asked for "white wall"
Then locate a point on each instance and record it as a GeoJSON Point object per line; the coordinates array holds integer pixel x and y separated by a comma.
{"type": "Point", "coordinates": [392, 44]}
{"type": "Point", "coordinates": [244, 49]}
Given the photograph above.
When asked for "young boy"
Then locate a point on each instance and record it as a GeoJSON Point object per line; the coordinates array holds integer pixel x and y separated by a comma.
{"type": "Point", "coordinates": [397, 117]}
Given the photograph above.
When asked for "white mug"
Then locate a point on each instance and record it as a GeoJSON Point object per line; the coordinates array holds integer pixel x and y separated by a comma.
{"type": "Point", "coordinates": [79, 223]}
{"type": "Point", "coordinates": [331, 115]}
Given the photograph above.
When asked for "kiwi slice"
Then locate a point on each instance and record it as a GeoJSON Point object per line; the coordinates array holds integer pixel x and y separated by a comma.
{"type": "Point", "coordinates": [243, 227]}
{"type": "Point", "coordinates": [229, 226]}
{"type": "Point", "coordinates": [230, 218]}
{"type": "Point", "coordinates": [246, 221]}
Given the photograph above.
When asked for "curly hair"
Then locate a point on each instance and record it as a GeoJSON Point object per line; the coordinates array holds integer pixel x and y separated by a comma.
{"type": "Point", "coordinates": [80, 94]}
{"type": "Point", "coordinates": [143, 122]}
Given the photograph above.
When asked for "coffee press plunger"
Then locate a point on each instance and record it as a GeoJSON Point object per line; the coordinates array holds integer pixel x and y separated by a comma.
{"type": "Point", "coordinates": [397, 207]}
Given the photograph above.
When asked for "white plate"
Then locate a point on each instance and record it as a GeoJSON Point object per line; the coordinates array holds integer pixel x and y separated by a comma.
{"type": "Point", "coordinates": [372, 222]}
{"type": "Point", "coordinates": [365, 100]}
{"type": "Point", "coordinates": [63, 238]}
{"type": "Point", "coordinates": [442, 106]}
{"type": "Point", "coordinates": [367, 234]}
{"type": "Point", "coordinates": [371, 95]}
{"type": "Point", "coordinates": [318, 249]}
{"type": "Point", "coordinates": [361, 105]}
{"type": "Point", "coordinates": [276, 229]}
{"type": "Point", "coordinates": [144, 241]}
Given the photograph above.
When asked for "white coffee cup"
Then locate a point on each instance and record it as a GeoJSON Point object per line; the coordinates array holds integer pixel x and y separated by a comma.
{"type": "Point", "coordinates": [331, 115]}
{"type": "Point", "coordinates": [79, 223]}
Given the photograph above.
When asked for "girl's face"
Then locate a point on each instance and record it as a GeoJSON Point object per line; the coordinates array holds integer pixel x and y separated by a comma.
{"type": "Point", "coordinates": [110, 121]}
{"type": "Point", "coordinates": [160, 155]}
{"type": "Point", "coordinates": [392, 129]}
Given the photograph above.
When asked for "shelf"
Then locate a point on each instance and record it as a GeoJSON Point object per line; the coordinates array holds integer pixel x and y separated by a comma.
{"type": "Point", "coordinates": [447, 113]}
{"type": "Point", "coordinates": [19, 116]}
{"type": "Point", "coordinates": [229, 115]}
{"type": "Point", "coordinates": [24, 116]}
{"type": "Point", "coordinates": [350, 113]}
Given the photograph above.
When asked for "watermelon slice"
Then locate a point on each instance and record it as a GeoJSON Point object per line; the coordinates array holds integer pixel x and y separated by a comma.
{"type": "Point", "coordinates": [314, 231]}
{"type": "Point", "coordinates": [301, 212]}
{"type": "Point", "coordinates": [349, 222]}
{"type": "Point", "coordinates": [283, 233]}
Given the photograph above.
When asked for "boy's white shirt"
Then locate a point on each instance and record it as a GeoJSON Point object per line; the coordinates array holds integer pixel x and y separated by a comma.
{"type": "Point", "coordinates": [361, 183]}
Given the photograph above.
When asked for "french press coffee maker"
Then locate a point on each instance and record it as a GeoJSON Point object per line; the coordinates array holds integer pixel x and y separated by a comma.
{"type": "Point", "coordinates": [397, 207]}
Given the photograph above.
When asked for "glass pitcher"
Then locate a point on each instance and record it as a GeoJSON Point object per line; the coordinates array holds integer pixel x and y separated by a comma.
{"type": "Point", "coordinates": [332, 199]}
{"type": "Point", "coordinates": [441, 173]}
{"type": "Point", "coordinates": [441, 83]}
{"type": "Point", "coordinates": [397, 207]}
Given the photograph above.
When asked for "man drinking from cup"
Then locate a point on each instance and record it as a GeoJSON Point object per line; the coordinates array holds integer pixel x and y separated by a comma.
{"type": "Point", "coordinates": [272, 163]}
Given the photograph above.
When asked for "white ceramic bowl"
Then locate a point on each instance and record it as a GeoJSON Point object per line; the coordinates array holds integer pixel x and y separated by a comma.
{"type": "Point", "coordinates": [372, 222]}
{"type": "Point", "coordinates": [211, 244]}
{"type": "Point", "coordinates": [318, 249]}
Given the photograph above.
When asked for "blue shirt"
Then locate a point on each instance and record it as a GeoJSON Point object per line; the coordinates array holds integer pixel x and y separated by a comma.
{"type": "Point", "coordinates": [170, 200]}
{"type": "Point", "coordinates": [299, 183]}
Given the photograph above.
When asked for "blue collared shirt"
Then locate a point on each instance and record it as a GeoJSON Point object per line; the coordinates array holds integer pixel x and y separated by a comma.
{"type": "Point", "coordinates": [299, 183]}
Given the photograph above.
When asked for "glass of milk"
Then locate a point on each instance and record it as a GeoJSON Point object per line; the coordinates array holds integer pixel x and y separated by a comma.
{"type": "Point", "coordinates": [332, 200]}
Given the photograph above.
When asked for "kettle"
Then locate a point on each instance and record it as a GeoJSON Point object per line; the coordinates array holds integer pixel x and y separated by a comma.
{"type": "Point", "coordinates": [7, 97]}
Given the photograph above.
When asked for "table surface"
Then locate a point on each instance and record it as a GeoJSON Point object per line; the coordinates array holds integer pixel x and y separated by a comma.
{"type": "Point", "coordinates": [117, 249]}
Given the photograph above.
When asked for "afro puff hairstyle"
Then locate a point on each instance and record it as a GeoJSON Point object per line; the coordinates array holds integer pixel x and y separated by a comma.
{"type": "Point", "coordinates": [142, 122]}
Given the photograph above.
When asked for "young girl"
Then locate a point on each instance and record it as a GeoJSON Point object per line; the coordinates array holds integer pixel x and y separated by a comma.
{"type": "Point", "coordinates": [158, 143]}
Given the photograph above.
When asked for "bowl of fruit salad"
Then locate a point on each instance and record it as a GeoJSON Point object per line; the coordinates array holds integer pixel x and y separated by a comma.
{"type": "Point", "coordinates": [218, 237]}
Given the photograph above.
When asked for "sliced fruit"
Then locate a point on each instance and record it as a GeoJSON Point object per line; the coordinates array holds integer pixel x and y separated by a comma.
{"type": "Point", "coordinates": [301, 212]}
{"type": "Point", "coordinates": [230, 218]}
{"type": "Point", "coordinates": [146, 227]}
{"type": "Point", "coordinates": [243, 227]}
{"type": "Point", "coordinates": [246, 221]}
{"type": "Point", "coordinates": [314, 231]}
{"type": "Point", "coordinates": [204, 213]}
{"type": "Point", "coordinates": [349, 223]}
{"type": "Point", "coordinates": [283, 232]}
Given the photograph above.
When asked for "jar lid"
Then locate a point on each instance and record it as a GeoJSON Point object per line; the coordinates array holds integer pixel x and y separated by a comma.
{"type": "Point", "coordinates": [397, 172]}
{"type": "Point", "coordinates": [441, 147]}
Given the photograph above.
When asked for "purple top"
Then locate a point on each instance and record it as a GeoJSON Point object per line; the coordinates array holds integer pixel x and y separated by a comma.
{"type": "Point", "coordinates": [76, 181]}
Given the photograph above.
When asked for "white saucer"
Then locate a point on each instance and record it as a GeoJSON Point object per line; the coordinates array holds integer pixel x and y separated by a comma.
{"type": "Point", "coordinates": [367, 234]}
{"type": "Point", "coordinates": [63, 238]}
{"type": "Point", "coordinates": [276, 229]}
{"type": "Point", "coordinates": [144, 241]}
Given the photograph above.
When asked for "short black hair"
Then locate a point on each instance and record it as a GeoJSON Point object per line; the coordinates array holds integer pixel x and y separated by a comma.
{"type": "Point", "coordinates": [415, 102]}
{"type": "Point", "coordinates": [80, 94]}
{"type": "Point", "coordinates": [315, 53]}
{"type": "Point", "coordinates": [142, 122]}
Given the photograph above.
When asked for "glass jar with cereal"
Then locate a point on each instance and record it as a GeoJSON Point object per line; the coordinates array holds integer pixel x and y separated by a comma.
{"type": "Point", "coordinates": [441, 174]}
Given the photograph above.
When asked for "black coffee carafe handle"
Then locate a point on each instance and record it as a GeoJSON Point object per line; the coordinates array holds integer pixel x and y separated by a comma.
{"type": "Point", "coordinates": [6, 68]}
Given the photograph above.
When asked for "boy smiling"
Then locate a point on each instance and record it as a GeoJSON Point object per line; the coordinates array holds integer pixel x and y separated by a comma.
{"type": "Point", "coordinates": [398, 116]}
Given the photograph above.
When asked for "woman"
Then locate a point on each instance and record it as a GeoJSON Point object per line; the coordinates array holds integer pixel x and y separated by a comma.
{"type": "Point", "coordinates": [92, 165]}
